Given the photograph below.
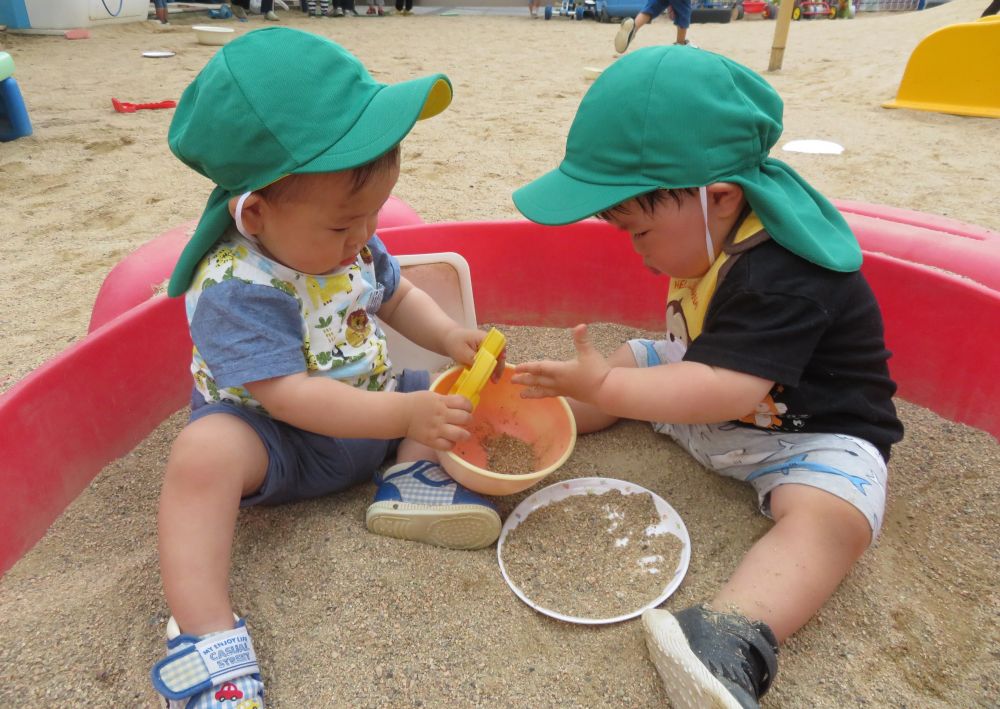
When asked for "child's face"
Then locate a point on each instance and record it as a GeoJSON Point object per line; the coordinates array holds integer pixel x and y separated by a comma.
{"type": "Point", "coordinates": [325, 227]}
{"type": "Point", "coordinates": [671, 238]}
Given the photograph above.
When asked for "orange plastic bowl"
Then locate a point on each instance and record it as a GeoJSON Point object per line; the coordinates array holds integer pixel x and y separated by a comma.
{"type": "Point", "coordinates": [546, 424]}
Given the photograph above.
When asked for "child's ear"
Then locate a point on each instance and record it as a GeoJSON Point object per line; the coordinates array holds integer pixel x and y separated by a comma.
{"type": "Point", "coordinates": [726, 198]}
{"type": "Point", "coordinates": [252, 212]}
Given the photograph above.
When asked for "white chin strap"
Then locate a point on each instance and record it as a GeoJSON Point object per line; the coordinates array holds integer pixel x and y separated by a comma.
{"type": "Point", "coordinates": [238, 218]}
{"type": "Point", "coordinates": [702, 193]}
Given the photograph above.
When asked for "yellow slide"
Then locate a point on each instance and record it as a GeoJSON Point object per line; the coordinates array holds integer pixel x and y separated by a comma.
{"type": "Point", "coordinates": [954, 70]}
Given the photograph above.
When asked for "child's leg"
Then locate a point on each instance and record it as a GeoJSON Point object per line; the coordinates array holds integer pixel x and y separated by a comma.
{"type": "Point", "coordinates": [214, 462]}
{"type": "Point", "coordinates": [682, 19]}
{"type": "Point", "coordinates": [728, 657]}
{"type": "Point", "coordinates": [629, 27]}
{"type": "Point", "coordinates": [791, 571]}
{"type": "Point", "coordinates": [161, 11]}
{"type": "Point", "coordinates": [826, 493]}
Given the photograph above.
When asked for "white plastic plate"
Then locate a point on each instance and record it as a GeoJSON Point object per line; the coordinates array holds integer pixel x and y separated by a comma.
{"type": "Point", "coordinates": [819, 147]}
{"type": "Point", "coordinates": [670, 522]}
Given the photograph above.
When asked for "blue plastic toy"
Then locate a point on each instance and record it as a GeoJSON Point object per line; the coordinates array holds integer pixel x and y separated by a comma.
{"type": "Point", "coordinates": [14, 121]}
{"type": "Point", "coordinates": [223, 13]}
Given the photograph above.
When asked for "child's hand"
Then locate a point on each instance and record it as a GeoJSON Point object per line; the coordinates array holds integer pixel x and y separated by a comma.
{"type": "Point", "coordinates": [462, 343]}
{"type": "Point", "coordinates": [501, 365]}
{"type": "Point", "coordinates": [579, 379]}
{"type": "Point", "coordinates": [436, 420]}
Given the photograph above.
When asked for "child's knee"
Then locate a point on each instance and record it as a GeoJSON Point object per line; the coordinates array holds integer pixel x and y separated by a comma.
{"type": "Point", "coordinates": [832, 516]}
{"type": "Point", "coordinates": [622, 357]}
{"type": "Point", "coordinates": [216, 449]}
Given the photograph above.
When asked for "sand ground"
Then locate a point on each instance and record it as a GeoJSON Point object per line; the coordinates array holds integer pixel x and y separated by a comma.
{"type": "Point", "coordinates": [344, 618]}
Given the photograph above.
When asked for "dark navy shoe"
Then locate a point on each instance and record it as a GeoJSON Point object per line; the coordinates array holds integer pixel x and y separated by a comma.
{"type": "Point", "coordinates": [420, 502]}
{"type": "Point", "coordinates": [710, 659]}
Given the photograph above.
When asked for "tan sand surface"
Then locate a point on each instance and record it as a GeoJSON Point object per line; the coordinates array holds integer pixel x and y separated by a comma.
{"type": "Point", "coordinates": [341, 617]}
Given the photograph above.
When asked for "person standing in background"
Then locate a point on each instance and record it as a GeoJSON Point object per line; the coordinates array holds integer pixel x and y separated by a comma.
{"type": "Point", "coordinates": [240, 7]}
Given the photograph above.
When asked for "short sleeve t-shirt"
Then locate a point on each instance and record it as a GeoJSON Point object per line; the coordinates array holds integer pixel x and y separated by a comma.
{"type": "Point", "coordinates": [816, 333]}
{"type": "Point", "coordinates": [252, 318]}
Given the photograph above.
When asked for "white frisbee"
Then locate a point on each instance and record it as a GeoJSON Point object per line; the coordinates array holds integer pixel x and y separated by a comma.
{"type": "Point", "coordinates": [819, 147]}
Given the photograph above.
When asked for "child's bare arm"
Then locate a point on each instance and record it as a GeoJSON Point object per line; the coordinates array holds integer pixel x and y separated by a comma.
{"type": "Point", "coordinates": [685, 392]}
{"type": "Point", "coordinates": [336, 409]}
{"type": "Point", "coordinates": [416, 316]}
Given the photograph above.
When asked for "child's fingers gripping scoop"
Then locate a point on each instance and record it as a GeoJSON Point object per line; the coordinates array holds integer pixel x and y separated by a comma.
{"type": "Point", "coordinates": [492, 350]}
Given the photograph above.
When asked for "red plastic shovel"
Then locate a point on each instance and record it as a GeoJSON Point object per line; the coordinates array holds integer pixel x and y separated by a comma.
{"type": "Point", "coordinates": [126, 107]}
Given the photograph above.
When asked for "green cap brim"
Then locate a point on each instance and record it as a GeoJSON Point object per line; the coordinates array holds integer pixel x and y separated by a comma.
{"type": "Point", "coordinates": [785, 203]}
{"type": "Point", "coordinates": [386, 120]}
{"type": "Point", "coordinates": [556, 198]}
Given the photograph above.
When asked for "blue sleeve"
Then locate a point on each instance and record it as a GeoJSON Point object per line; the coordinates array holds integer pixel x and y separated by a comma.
{"type": "Point", "coordinates": [386, 267]}
{"type": "Point", "coordinates": [247, 332]}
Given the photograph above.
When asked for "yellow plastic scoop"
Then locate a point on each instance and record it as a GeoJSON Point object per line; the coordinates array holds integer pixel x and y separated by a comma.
{"type": "Point", "coordinates": [472, 379]}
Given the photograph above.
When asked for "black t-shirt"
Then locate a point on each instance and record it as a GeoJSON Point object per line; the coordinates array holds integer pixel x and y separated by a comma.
{"type": "Point", "coordinates": [816, 333]}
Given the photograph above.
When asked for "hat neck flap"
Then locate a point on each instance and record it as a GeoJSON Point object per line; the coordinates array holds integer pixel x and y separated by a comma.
{"type": "Point", "coordinates": [798, 217]}
{"type": "Point", "coordinates": [213, 223]}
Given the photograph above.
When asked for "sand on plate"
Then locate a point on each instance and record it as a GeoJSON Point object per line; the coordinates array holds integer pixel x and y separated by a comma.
{"type": "Point", "coordinates": [341, 617]}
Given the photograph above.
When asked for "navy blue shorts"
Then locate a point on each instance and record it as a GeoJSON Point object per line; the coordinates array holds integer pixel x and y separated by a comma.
{"type": "Point", "coordinates": [682, 10]}
{"type": "Point", "coordinates": [302, 464]}
{"type": "Point", "coordinates": [160, 4]}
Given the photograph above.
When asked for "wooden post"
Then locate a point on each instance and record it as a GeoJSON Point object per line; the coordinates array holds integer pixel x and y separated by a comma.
{"type": "Point", "coordinates": [781, 34]}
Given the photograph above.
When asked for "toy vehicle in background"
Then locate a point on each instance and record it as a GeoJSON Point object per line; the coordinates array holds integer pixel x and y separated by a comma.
{"type": "Point", "coordinates": [577, 10]}
{"type": "Point", "coordinates": [701, 10]}
{"type": "Point", "coordinates": [832, 9]}
{"type": "Point", "coordinates": [810, 9]}
{"type": "Point", "coordinates": [767, 10]}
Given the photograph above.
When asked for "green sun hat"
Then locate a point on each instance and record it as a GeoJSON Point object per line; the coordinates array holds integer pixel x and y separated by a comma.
{"type": "Point", "coordinates": [675, 117]}
{"type": "Point", "coordinates": [279, 101]}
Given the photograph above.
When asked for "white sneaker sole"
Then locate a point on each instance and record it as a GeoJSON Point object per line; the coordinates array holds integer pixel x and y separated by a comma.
{"type": "Point", "coordinates": [687, 681]}
{"type": "Point", "coordinates": [450, 526]}
{"type": "Point", "coordinates": [621, 39]}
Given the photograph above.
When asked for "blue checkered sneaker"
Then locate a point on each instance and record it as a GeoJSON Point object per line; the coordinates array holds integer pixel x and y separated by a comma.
{"type": "Point", "coordinates": [420, 502]}
{"type": "Point", "coordinates": [214, 671]}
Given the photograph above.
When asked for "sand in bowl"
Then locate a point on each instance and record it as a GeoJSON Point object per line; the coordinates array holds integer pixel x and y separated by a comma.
{"type": "Point", "coordinates": [592, 556]}
{"type": "Point", "coordinates": [509, 455]}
